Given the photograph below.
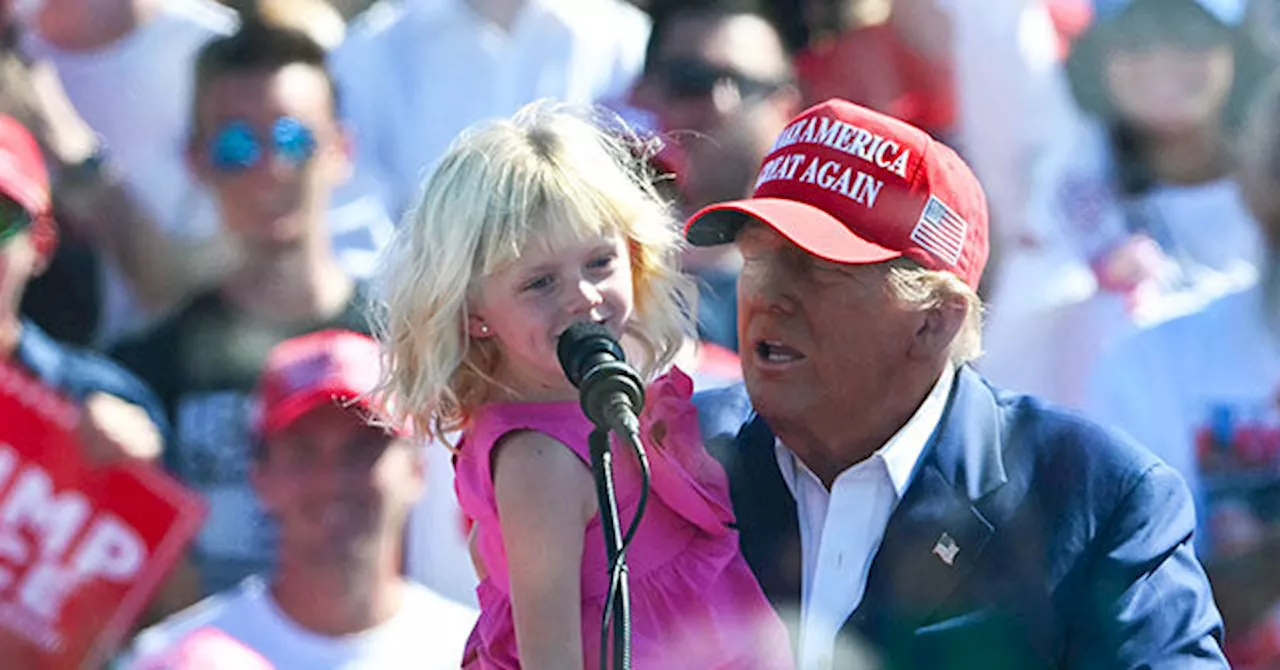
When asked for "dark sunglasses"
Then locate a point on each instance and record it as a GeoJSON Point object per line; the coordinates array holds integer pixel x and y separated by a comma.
{"type": "Point", "coordinates": [14, 219]}
{"type": "Point", "coordinates": [236, 148]}
{"type": "Point", "coordinates": [689, 78]}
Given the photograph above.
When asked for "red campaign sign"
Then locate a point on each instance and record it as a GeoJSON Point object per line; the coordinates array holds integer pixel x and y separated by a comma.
{"type": "Point", "coordinates": [82, 549]}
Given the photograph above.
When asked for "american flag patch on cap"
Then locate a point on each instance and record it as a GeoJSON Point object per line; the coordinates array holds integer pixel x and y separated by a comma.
{"type": "Point", "coordinates": [940, 231]}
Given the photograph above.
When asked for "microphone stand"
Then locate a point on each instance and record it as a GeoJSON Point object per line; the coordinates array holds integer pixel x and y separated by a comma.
{"type": "Point", "coordinates": [602, 468]}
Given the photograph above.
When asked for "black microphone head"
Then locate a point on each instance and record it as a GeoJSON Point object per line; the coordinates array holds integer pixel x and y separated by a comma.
{"type": "Point", "coordinates": [582, 344]}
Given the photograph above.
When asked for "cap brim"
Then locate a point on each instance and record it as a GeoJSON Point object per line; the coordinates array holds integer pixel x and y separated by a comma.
{"type": "Point", "coordinates": [811, 228]}
{"type": "Point", "coordinates": [286, 413]}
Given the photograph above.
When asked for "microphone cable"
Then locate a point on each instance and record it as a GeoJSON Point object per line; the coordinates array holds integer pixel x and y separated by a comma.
{"type": "Point", "coordinates": [617, 568]}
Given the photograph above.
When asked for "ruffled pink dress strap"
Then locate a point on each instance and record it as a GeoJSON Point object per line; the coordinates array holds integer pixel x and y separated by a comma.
{"type": "Point", "coordinates": [683, 474]}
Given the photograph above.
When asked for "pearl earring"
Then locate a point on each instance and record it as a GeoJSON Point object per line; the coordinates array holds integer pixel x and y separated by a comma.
{"type": "Point", "coordinates": [484, 329]}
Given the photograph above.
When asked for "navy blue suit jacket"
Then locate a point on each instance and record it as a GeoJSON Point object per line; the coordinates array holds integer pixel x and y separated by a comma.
{"type": "Point", "coordinates": [1074, 544]}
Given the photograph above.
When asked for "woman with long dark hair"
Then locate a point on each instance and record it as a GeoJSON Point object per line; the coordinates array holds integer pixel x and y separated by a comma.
{"type": "Point", "coordinates": [1135, 217]}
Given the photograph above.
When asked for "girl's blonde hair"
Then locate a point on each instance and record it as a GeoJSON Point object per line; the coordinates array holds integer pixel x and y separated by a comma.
{"type": "Point", "coordinates": [549, 175]}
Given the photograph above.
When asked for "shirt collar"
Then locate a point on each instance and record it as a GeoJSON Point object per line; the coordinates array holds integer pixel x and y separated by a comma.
{"type": "Point", "coordinates": [37, 352]}
{"type": "Point", "coordinates": [901, 453]}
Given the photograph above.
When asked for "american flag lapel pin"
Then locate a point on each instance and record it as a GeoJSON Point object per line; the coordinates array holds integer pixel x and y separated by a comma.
{"type": "Point", "coordinates": [946, 549]}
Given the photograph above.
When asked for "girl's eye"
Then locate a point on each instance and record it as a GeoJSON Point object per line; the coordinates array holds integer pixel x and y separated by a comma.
{"type": "Point", "coordinates": [601, 262]}
{"type": "Point", "coordinates": [538, 283]}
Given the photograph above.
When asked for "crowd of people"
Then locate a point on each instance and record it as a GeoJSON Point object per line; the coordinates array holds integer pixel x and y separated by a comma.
{"type": "Point", "coordinates": [818, 226]}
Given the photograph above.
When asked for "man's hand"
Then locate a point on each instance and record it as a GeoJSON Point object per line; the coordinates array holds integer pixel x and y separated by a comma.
{"type": "Point", "coordinates": [114, 431]}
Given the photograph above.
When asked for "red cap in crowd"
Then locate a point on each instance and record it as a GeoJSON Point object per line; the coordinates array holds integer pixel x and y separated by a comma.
{"type": "Point", "coordinates": [24, 177]}
{"type": "Point", "coordinates": [855, 186]}
{"type": "Point", "coordinates": [322, 368]}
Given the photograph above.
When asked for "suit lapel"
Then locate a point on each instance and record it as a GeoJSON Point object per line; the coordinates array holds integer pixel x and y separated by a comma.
{"type": "Point", "coordinates": [766, 512]}
{"type": "Point", "coordinates": [936, 535]}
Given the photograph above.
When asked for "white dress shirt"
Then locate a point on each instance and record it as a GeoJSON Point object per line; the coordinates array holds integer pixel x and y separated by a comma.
{"type": "Point", "coordinates": [841, 529]}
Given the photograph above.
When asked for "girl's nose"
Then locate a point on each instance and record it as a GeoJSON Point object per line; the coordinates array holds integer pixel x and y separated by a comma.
{"type": "Point", "coordinates": [585, 297]}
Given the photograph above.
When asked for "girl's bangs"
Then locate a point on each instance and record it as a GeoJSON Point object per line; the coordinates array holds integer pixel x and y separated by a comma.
{"type": "Point", "coordinates": [560, 214]}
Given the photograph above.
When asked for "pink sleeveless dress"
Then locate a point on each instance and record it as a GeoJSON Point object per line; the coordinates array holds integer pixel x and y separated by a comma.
{"type": "Point", "coordinates": [694, 601]}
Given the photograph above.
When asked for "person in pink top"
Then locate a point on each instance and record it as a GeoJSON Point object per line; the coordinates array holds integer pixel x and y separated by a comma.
{"type": "Point", "coordinates": [525, 227]}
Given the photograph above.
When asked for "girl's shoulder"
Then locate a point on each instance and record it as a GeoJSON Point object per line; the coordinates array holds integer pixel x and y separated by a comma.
{"type": "Point", "coordinates": [562, 421]}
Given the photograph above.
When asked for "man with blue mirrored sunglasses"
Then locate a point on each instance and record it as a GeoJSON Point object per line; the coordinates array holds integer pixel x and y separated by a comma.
{"type": "Point", "coordinates": [267, 144]}
{"type": "Point", "coordinates": [236, 147]}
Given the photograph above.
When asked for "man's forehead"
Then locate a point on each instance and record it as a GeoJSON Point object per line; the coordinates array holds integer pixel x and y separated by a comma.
{"type": "Point", "coordinates": [290, 90]}
{"type": "Point", "coordinates": [743, 42]}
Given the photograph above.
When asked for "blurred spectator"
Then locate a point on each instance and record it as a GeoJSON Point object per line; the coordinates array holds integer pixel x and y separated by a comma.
{"type": "Point", "coordinates": [126, 66]}
{"type": "Point", "coordinates": [910, 43]}
{"type": "Point", "coordinates": [268, 145]}
{"type": "Point", "coordinates": [341, 489]}
{"type": "Point", "coordinates": [1012, 101]}
{"type": "Point", "coordinates": [719, 84]}
{"type": "Point", "coordinates": [121, 419]}
{"type": "Point", "coordinates": [71, 273]}
{"type": "Point", "coordinates": [1117, 231]}
{"type": "Point", "coordinates": [145, 48]}
{"type": "Point", "coordinates": [414, 74]}
{"type": "Point", "coordinates": [1204, 392]}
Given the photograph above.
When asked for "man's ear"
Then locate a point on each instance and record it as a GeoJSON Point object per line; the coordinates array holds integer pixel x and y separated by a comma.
{"type": "Point", "coordinates": [44, 240]}
{"type": "Point", "coordinates": [342, 156]}
{"type": "Point", "coordinates": [938, 328]}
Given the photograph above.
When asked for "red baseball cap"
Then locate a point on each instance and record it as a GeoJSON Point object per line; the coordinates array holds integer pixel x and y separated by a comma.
{"type": "Point", "coordinates": [23, 176]}
{"type": "Point", "coordinates": [322, 368]}
{"type": "Point", "coordinates": [856, 186]}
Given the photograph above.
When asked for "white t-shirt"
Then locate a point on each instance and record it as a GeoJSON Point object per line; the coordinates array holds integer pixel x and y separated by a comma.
{"type": "Point", "coordinates": [415, 74]}
{"type": "Point", "coordinates": [1048, 319]}
{"type": "Point", "coordinates": [428, 633]}
{"type": "Point", "coordinates": [1201, 392]}
{"type": "Point", "coordinates": [136, 94]}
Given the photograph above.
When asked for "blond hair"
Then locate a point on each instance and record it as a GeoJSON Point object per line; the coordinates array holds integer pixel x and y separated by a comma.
{"type": "Point", "coordinates": [549, 175]}
{"type": "Point", "coordinates": [925, 289]}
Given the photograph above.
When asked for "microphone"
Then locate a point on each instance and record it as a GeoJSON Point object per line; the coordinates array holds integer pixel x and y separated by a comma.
{"type": "Point", "coordinates": [611, 391]}
{"type": "Point", "coordinates": [611, 394]}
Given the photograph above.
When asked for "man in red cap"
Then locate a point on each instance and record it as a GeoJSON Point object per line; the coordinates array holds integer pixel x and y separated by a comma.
{"type": "Point", "coordinates": [340, 486]}
{"type": "Point", "coordinates": [121, 418]}
{"type": "Point", "coordinates": [885, 492]}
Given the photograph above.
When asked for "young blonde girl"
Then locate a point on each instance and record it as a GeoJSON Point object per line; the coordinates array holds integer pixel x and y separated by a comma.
{"type": "Point", "coordinates": [527, 226]}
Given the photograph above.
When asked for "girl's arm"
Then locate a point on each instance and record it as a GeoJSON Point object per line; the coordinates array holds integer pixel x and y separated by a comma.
{"type": "Point", "coordinates": [546, 497]}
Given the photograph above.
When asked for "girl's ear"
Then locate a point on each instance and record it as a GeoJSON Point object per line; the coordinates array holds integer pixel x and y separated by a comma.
{"type": "Point", "coordinates": [477, 328]}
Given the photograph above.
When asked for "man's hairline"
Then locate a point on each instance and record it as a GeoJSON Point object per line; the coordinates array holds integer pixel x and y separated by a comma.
{"type": "Point", "coordinates": [710, 19]}
{"type": "Point", "coordinates": [202, 97]}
